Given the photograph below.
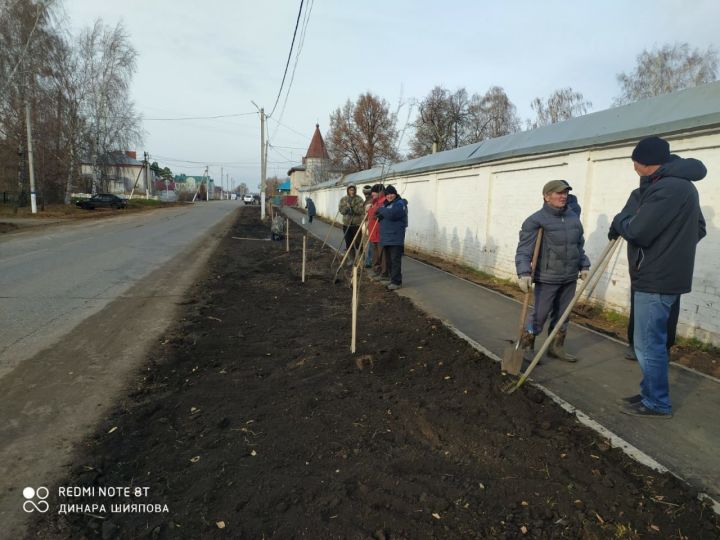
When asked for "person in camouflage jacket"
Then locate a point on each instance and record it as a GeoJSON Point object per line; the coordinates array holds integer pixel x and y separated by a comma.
{"type": "Point", "coordinates": [352, 209]}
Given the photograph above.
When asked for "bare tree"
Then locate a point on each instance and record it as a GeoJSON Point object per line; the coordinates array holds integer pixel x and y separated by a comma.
{"type": "Point", "coordinates": [26, 36]}
{"type": "Point", "coordinates": [492, 115]}
{"type": "Point", "coordinates": [272, 185]}
{"type": "Point", "coordinates": [450, 120]}
{"type": "Point", "coordinates": [109, 59]}
{"type": "Point", "coordinates": [562, 104]}
{"type": "Point", "coordinates": [362, 134]}
{"type": "Point", "coordinates": [433, 124]}
{"type": "Point", "coordinates": [667, 69]}
{"type": "Point", "coordinates": [77, 90]}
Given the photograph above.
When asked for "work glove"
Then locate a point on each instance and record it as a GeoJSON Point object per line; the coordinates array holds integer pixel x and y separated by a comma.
{"type": "Point", "coordinates": [613, 234]}
{"type": "Point", "coordinates": [584, 274]}
{"type": "Point", "coordinates": [524, 282]}
{"type": "Point", "coordinates": [379, 217]}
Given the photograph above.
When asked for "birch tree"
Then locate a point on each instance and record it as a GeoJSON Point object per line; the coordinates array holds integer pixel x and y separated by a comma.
{"type": "Point", "coordinates": [667, 69]}
{"type": "Point", "coordinates": [562, 104]}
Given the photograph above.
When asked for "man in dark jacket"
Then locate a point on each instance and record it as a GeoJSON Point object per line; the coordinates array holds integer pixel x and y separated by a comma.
{"type": "Point", "coordinates": [662, 227]}
{"type": "Point", "coordinates": [631, 206]}
{"type": "Point", "coordinates": [393, 217]}
{"type": "Point", "coordinates": [562, 258]}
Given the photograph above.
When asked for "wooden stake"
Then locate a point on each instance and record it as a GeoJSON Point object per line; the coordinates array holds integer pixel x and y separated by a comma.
{"type": "Point", "coordinates": [287, 234]}
{"type": "Point", "coordinates": [303, 264]}
{"type": "Point", "coordinates": [354, 310]}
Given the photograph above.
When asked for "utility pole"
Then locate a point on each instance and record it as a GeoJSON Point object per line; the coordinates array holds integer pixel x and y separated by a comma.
{"type": "Point", "coordinates": [222, 184]}
{"type": "Point", "coordinates": [263, 159]}
{"type": "Point", "coordinates": [263, 164]}
{"type": "Point", "coordinates": [31, 169]}
{"type": "Point", "coordinates": [145, 172]}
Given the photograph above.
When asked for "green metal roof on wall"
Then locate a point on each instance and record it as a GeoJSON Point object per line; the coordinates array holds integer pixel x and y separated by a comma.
{"type": "Point", "coordinates": [685, 110]}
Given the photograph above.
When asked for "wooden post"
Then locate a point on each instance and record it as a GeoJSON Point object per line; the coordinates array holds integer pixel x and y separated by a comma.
{"type": "Point", "coordinates": [354, 310]}
{"type": "Point", "coordinates": [303, 263]}
{"type": "Point", "coordinates": [287, 235]}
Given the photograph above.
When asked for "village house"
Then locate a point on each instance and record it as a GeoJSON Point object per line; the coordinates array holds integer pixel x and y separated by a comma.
{"type": "Point", "coordinates": [119, 173]}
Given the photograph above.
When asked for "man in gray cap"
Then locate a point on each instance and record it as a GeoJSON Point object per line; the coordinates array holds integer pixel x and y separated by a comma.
{"type": "Point", "coordinates": [561, 260]}
{"type": "Point", "coordinates": [662, 224]}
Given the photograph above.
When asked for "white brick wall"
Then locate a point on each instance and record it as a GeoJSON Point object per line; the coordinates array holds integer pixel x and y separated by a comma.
{"type": "Point", "coordinates": [472, 216]}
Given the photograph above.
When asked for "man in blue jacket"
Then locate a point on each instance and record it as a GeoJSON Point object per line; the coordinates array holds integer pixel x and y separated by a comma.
{"type": "Point", "coordinates": [561, 261]}
{"type": "Point", "coordinates": [393, 218]}
{"type": "Point", "coordinates": [662, 224]}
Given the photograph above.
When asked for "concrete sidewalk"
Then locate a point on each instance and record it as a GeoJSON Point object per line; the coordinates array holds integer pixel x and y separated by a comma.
{"type": "Point", "coordinates": [687, 445]}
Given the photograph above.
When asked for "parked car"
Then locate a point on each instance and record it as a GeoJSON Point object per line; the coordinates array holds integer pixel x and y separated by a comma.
{"type": "Point", "coordinates": [248, 199]}
{"type": "Point", "coordinates": [102, 200]}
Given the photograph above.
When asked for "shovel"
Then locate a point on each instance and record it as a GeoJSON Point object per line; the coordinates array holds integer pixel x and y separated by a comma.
{"type": "Point", "coordinates": [332, 226]}
{"type": "Point", "coordinates": [352, 247]}
{"type": "Point", "coordinates": [599, 269]}
{"type": "Point", "coordinates": [513, 355]}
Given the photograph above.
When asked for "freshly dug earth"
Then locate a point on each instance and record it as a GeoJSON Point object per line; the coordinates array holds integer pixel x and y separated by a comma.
{"type": "Point", "coordinates": [253, 420]}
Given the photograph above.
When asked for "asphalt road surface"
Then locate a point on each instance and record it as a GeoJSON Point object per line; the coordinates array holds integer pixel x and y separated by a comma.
{"type": "Point", "coordinates": [79, 306]}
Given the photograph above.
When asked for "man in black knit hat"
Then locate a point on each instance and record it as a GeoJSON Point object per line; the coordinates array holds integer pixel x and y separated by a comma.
{"type": "Point", "coordinates": [662, 224]}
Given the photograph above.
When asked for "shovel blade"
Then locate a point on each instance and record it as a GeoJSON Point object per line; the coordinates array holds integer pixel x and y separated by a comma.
{"type": "Point", "coordinates": [512, 360]}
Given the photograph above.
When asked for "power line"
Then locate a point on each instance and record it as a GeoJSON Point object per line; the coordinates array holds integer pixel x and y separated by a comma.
{"type": "Point", "coordinates": [275, 149]}
{"type": "Point", "coordinates": [301, 42]}
{"type": "Point", "coordinates": [287, 64]}
{"type": "Point", "coordinates": [303, 135]}
{"type": "Point", "coordinates": [202, 117]}
{"type": "Point", "coordinates": [183, 162]}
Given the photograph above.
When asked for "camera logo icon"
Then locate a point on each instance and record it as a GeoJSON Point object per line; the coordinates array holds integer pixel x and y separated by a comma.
{"type": "Point", "coordinates": [31, 494]}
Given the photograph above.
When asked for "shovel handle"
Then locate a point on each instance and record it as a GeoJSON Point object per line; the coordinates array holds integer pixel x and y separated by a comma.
{"type": "Point", "coordinates": [533, 265]}
{"type": "Point", "coordinates": [604, 259]}
{"type": "Point", "coordinates": [352, 244]}
{"type": "Point", "coordinates": [332, 226]}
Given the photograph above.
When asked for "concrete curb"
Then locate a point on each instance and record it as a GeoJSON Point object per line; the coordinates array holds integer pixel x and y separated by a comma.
{"type": "Point", "coordinates": [615, 440]}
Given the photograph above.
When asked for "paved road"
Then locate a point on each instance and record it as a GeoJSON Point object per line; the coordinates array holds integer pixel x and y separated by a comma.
{"type": "Point", "coordinates": [82, 305]}
{"type": "Point", "coordinates": [51, 280]}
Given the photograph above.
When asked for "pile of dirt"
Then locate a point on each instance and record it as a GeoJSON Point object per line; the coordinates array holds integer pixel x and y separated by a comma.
{"type": "Point", "coordinates": [253, 420]}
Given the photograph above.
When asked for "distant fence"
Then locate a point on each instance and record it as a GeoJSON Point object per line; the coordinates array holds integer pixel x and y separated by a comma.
{"type": "Point", "coordinates": [11, 198]}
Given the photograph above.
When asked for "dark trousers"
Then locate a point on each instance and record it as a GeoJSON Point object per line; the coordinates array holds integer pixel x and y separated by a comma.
{"type": "Point", "coordinates": [550, 299]}
{"type": "Point", "coordinates": [671, 323]}
{"type": "Point", "coordinates": [310, 216]}
{"type": "Point", "coordinates": [378, 259]}
{"type": "Point", "coordinates": [393, 260]}
{"type": "Point", "coordinates": [350, 231]}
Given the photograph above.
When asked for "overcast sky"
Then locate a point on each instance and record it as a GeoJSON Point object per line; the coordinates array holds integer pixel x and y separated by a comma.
{"type": "Point", "coordinates": [214, 57]}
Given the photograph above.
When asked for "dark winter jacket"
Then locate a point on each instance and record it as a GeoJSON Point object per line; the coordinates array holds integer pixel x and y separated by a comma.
{"type": "Point", "coordinates": [662, 224]}
{"type": "Point", "coordinates": [573, 204]}
{"type": "Point", "coordinates": [310, 205]}
{"type": "Point", "coordinates": [393, 218]}
{"type": "Point", "coordinates": [561, 252]}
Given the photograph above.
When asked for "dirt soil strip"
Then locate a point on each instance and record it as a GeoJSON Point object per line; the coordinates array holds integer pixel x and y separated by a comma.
{"type": "Point", "coordinates": [252, 419]}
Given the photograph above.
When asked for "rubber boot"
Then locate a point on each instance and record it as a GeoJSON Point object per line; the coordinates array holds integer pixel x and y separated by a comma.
{"type": "Point", "coordinates": [557, 349]}
{"type": "Point", "coordinates": [527, 343]}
